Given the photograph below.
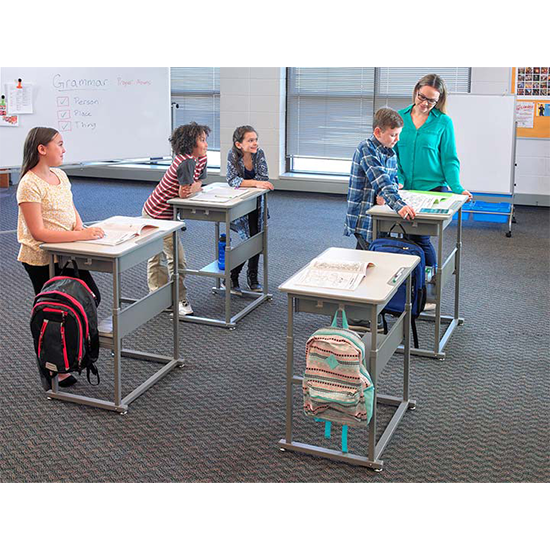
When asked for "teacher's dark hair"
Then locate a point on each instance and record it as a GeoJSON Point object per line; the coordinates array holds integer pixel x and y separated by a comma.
{"type": "Point", "coordinates": [184, 138]}
{"type": "Point", "coordinates": [438, 83]}
{"type": "Point", "coordinates": [37, 136]}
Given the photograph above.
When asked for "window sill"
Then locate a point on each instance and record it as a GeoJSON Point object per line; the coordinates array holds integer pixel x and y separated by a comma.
{"type": "Point", "coordinates": [332, 178]}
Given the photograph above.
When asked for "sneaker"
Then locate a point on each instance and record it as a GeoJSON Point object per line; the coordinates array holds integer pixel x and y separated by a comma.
{"type": "Point", "coordinates": [235, 288]}
{"type": "Point", "coordinates": [362, 325]}
{"type": "Point", "coordinates": [429, 307]}
{"type": "Point", "coordinates": [184, 308]}
{"type": "Point", "coordinates": [253, 283]}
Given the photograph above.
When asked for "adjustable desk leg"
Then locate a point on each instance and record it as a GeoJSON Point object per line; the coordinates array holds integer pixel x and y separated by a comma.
{"type": "Point", "coordinates": [175, 276]}
{"type": "Point", "coordinates": [457, 263]}
{"type": "Point", "coordinates": [216, 252]}
{"type": "Point", "coordinates": [264, 245]}
{"type": "Point", "coordinates": [407, 340]}
{"type": "Point", "coordinates": [374, 377]}
{"type": "Point", "coordinates": [117, 344]}
{"type": "Point", "coordinates": [438, 289]}
{"type": "Point", "coordinates": [227, 270]}
{"type": "Point", "coordinates": [289, 368]}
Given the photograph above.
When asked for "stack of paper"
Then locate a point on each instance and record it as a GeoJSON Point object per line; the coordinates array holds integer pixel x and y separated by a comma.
{"type": "Point", "coordinates": [342, 275]}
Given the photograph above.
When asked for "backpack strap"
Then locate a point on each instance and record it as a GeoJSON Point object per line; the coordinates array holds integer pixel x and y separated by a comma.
{"type": "Point", "coordinates": [90, 367]}
{"type": "Point", "coordinates": [344, 319]}
{"type": "Point", "coordinates": [75, 268]}
{"type": "Point", "coordinates": [402, 229]}
{"type": "Point", "coordinates": [415, 332]}
{"type": "Point", "coordinates": [344, 439]}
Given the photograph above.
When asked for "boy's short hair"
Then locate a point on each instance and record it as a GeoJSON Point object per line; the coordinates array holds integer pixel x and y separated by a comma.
{"type": "Point", "coordinates": [387, 118]}
{"type": "Point", "coordinates": [184, 138]}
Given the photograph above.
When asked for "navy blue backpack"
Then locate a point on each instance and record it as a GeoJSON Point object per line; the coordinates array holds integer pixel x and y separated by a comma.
{"type": "Point", "coordinates": [396, 305]}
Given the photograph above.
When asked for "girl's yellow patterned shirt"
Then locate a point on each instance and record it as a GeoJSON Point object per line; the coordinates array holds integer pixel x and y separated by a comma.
{"type": "Point", "coordinates": [58, 212]}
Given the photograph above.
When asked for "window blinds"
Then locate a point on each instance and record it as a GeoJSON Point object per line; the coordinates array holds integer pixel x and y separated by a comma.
{"type": "Point", "coordinates": [330, 110]}
{"type": "Point", "coordinates": [197, 92]}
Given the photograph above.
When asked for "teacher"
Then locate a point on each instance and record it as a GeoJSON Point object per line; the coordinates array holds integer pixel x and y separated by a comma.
{"type": "Point", "coordinates": [426, 151]}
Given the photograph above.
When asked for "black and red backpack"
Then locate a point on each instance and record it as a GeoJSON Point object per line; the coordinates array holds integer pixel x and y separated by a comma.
{"type": "Point", "coordinates": [64, 327]}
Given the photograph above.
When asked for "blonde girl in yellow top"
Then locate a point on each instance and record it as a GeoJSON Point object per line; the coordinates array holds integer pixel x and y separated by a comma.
{"type": "Point", "coordinates": [47, 213]}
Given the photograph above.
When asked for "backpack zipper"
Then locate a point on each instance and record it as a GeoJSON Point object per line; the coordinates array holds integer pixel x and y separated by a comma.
{"type": "Point", "coordinates": [64, 313]}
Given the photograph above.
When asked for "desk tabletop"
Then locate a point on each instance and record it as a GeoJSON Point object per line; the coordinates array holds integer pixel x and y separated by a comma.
{"type": "Point", "coordinates": [455, 201]}
{"type": "Point", "coordinates": [165, 227]}
{"type": "Point", "coordinates": [376, 286]}
{"type": "Point", "coordinates": [192, 202]}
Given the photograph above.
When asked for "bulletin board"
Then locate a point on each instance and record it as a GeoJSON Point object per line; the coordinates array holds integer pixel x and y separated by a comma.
{"type": "Point", "coordinates": [532, 86]}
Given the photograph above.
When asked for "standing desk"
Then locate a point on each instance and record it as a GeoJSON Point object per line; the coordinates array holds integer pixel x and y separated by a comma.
{"type": "Point", "coordinates": [226, 212]}
{"type": "Point", "coordinates": [117, 259]}
{"type": "Point", "coordinates": [366, 302]}
{"type": "Point", "coordinates": [384, 218]}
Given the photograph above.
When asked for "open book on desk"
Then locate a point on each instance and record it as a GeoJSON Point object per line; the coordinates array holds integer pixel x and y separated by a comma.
{"type": "Point", "coordinates": [424, 203]}
{"type": "Point", "coordinates": [118, 233]}
{"type": "Point", "coordinates": [342, 275]}
{"type": "Point", "coordinates": [220, 193]}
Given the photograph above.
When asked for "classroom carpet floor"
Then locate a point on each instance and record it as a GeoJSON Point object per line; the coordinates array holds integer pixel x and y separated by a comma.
{"type": "Point", "coordinates": [482, 414]}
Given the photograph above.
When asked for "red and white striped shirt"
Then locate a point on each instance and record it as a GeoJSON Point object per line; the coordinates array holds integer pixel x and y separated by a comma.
{"type": "Point", "coordinates": [168, 187]}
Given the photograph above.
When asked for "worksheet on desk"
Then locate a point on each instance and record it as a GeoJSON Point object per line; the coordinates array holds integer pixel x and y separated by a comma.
{"type": "Point", "coordinates": [342, 275]}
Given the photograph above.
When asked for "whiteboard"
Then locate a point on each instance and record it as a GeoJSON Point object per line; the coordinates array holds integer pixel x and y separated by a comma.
{"type": "Point", "coordinates": [485, 134]}
{"type": "Point", "coordinates": [102, 113]}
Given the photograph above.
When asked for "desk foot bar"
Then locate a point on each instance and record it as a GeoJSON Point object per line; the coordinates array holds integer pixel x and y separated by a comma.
{"type": "Point", "coordinates": [82, 400]}
{"type": "Point", "coordinates": [151, 381]}
{"type": "Point", "coordinates": [219, 323]}
{"type": "Point", "coordinates": [438, 353]}
{"type": "Point", "coordinates": [356, 460]}
{"type": "Point", "coordinates": [392, 426]}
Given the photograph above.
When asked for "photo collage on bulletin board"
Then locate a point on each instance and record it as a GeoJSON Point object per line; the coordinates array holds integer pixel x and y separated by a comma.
{"type": "Point", "coordinates": [532, 81]}
{"type": "Point", "coordinates": [531, 86]}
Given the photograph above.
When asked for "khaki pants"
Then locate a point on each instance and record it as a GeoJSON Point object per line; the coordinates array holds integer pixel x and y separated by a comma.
{"type": "Point", "coordinates": [157, 273]}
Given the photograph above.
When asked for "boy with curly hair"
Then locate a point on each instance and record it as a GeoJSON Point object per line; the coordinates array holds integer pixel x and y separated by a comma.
{"type": "Point", "coordinates": [183, 178]}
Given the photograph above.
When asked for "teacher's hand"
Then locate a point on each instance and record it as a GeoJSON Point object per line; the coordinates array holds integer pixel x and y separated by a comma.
{"type": "Point", "coordinates": [470, 196]}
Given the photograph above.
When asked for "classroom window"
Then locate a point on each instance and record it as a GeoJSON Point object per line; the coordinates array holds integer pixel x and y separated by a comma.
{"type": "Point", "coordinates": [330, 110]}
{"type": "Point", "coordinates": [195, 93]}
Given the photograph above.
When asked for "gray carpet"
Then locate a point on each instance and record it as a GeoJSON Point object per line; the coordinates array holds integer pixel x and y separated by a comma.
{"type": "Point", "coordinates": [482, 414]}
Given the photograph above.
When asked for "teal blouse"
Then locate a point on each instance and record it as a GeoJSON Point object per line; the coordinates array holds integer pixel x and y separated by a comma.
{"type": "Point", "coordinates": [427, 157]}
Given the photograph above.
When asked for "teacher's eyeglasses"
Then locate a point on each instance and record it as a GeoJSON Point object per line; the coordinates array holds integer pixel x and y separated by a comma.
{"type": "Point", "coordinates": [423, 99]}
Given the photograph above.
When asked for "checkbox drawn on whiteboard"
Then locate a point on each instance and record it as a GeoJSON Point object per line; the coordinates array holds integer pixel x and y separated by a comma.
{"type": "Point", "coordinates": [64, 115]}
{"type": "Point", "coordinates": [65, 126]}
{"type": "Point", "coordinates": [63, 101]}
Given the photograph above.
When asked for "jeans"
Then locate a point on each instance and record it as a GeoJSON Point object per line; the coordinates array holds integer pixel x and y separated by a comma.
{"type": "Point", "coordinates": [254, 226]}
{"type": "Point", "coordinates": [424, 240]}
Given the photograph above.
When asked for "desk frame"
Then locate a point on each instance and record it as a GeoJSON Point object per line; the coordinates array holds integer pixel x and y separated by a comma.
{"type": "Point", "coordinates": [128, 319]}
{"type": "Point", "coordinates": [446, 268]}
{"type": "Point", "coordinates": [234, 255]}
{"type": "Point", "coordinates": [379, 350]}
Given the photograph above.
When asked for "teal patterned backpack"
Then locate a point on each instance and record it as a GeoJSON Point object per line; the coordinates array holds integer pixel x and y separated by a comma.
{"type": "Point", "coordinates": [336, 384]}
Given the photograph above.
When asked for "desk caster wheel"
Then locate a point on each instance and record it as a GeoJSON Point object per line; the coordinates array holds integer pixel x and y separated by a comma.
{"type": "Point", "coordinates": [123, 413]}
{"type": "Point", "coordinates": [378, 469]}
{"type": "Point", "coordinates": [508, 234]}
{"type": "Point", "coordinates": [49, 398]}
{"type": "Point", "coordinates": [412, 408]}
{"type": "Point", "coordinates": [282, 450]}
{"type": "Point", "coordinates": [232, 328]}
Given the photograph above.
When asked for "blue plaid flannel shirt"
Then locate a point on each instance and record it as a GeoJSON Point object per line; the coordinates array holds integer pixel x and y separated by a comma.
{"type": "Point", "coordinates": [373, 172]}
